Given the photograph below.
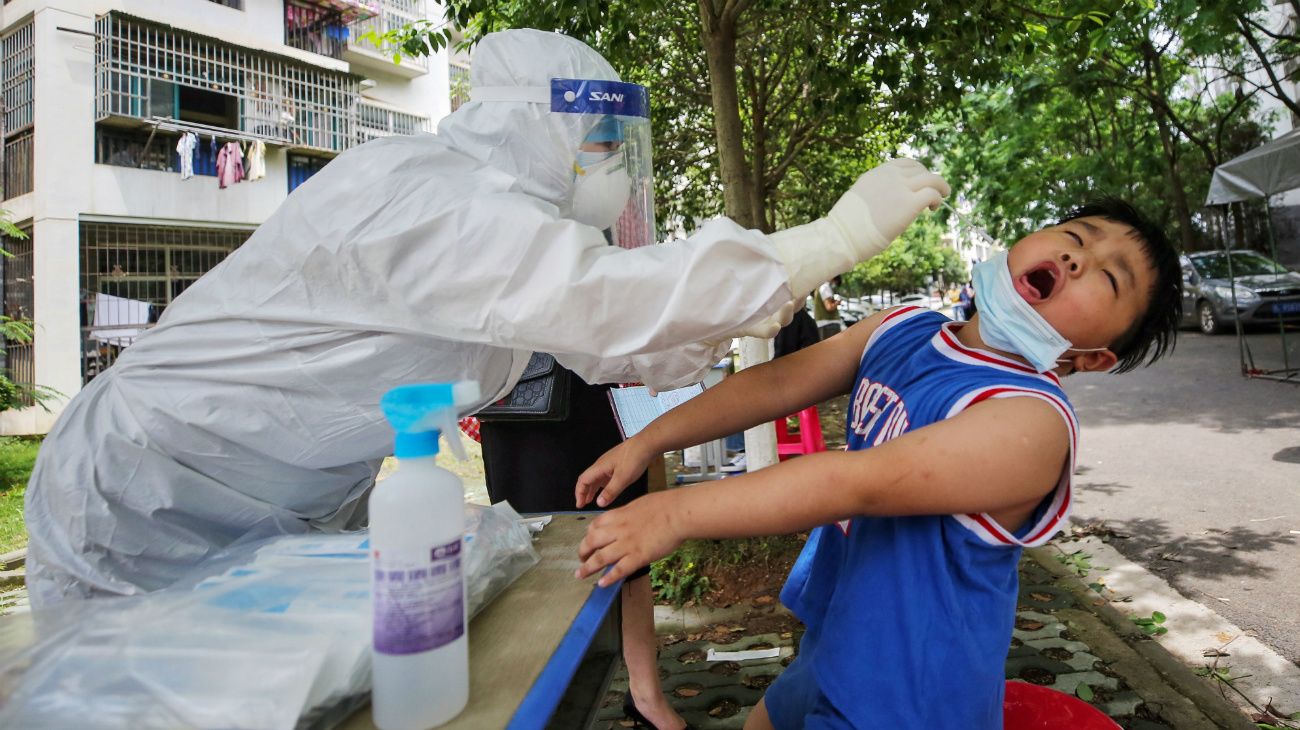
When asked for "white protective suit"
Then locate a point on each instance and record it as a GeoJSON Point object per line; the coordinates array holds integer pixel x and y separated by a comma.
{"type": "Point", "coordinates": [254, 404]}
{"type": "Point", "coordinates": [408, 259]}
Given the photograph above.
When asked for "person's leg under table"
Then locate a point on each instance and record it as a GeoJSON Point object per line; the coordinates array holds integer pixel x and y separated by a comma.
{"type": "Point", "coordinates": [535, 466]}
{"type": "Point", "coordinates": [641, 654]}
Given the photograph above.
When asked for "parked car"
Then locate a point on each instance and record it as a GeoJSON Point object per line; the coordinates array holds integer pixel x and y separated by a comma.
{"type": "Point", "coordinates": [853, 311]}
{"type": "Point", "coordinates": [922, 300]}
{"type": "Point", "coordinates": [1266, 291]}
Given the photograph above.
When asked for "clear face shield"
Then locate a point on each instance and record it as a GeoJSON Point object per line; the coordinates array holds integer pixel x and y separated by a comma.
{"type": "Point", "coordinates": [613, 173]}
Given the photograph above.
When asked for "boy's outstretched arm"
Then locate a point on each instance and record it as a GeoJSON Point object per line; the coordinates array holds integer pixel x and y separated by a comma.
{"type": "Point", "coordinates": [754, 395]}
{"type": "Point", "coordinates": [999, 457]}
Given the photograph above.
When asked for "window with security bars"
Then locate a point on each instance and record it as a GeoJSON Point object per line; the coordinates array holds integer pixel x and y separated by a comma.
{"type": "Point", "coordinates": [392, 15]}
{"type": "Point", "coordinates": [145, 70]}
{"type": "Point", "coordinates": [157, 151]}
{"type": "Point", "coordinates": [130, 273]}
{"type": "Point", "coordinates": [459, 82]}
{"type": "Point", "coordinates": [19, 304]}
{"type": "Point", "coordinates": [17, 87]}
{"type": "Point", "coordinates": [302, 167]}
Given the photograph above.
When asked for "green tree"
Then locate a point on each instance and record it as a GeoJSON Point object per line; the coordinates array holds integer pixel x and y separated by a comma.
{"type": "Point", "coordinates": [921, 258]}
{"type": "Point", "coordinates": [776, 104]}
{"type": "Point", "coordinates": [18, 395]}
{"type": "Point", "coordinates": [1118, 102]}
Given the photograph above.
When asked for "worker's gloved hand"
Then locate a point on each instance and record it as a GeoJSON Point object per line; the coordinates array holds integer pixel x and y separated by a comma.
{"type": "Point", "coordinates": [880, 205]}
{"type": "Point", "coordinates": [766, 329]}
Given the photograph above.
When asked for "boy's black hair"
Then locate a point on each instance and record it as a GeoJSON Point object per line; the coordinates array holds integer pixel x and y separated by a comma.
{"type": "Point", "coordinates": [1155, 332]}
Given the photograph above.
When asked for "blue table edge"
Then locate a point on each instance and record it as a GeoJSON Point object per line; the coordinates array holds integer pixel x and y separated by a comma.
{"type": "Point", "coordinates": [543, 697]}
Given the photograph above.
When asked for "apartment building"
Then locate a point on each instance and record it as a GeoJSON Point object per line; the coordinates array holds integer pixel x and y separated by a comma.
{"type": "Point", "coordinates": [1282, 18]}
{"type": "Point", "coordinates": [97, 96]}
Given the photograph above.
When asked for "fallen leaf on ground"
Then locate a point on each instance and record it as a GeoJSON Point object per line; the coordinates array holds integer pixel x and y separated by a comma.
{"type": "Point", "coordinates": [686, 692]}
{"type": "Point", "coordinates": [1269, 708]}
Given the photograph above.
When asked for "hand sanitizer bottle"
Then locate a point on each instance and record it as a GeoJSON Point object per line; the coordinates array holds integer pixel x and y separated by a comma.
{"type": "Point", "coordinates": [417, 522]}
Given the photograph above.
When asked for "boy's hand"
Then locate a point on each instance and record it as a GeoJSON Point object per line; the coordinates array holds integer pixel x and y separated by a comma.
{"type": "Point", "coordinates": [612, 472]}
{"type": "Point", "coordinates": [629, 538]}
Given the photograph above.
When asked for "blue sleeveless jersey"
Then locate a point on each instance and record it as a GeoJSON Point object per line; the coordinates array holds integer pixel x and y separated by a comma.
{"type": "Point", "coordinates": [909, 619]}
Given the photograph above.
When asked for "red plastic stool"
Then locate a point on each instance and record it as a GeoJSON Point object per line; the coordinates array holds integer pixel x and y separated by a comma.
{"type": "Point", "coordinates": [1031, 707]}
{"type": "Point", "coordinates": [808, 440]}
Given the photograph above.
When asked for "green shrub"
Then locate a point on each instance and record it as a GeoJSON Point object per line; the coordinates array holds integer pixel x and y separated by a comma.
{"type": "Point", "coordinates": [9, 394]}
{"type": "Point", "coordinates": [677, 579]}
{"type": "Point", "coordinates": [17, 457]}
{"type": "Point", "coordinates": [684, 575]}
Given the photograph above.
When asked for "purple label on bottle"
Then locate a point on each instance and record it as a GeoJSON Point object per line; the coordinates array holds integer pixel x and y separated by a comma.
{"type": "Point", "coordinates": [419, 605]}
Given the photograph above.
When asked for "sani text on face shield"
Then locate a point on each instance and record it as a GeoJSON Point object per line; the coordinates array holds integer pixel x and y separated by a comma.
{"type": "Point", "coordinates": [613, 172]}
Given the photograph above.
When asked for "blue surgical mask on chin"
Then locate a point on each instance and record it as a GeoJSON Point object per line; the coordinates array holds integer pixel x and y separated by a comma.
{"type": "Point", "coordinates": [1007, 322]}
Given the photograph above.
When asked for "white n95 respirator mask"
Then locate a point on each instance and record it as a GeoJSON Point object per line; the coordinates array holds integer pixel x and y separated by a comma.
{"type": "Point", "coordinates": [600, 190]}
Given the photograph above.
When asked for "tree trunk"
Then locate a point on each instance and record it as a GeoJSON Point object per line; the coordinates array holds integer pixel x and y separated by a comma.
{"type": "Point", "coordinates": [1175, 181]}
{"type": "Point", "coordinates": [718, 34]}
{"type": "Point", "coordinates": [1239, 227]}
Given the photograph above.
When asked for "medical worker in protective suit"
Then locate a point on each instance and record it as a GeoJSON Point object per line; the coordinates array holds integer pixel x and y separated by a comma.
{"type": "Point", "coordinates": [253, 404]}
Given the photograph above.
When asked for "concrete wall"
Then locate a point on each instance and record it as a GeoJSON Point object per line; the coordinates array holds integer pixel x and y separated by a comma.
{"type": "Point", "coordinates": [63, 147]}
{"type": "Point", "coordinates": [68, 185]}
{"type": "Point", "coordinates": [125, 191]}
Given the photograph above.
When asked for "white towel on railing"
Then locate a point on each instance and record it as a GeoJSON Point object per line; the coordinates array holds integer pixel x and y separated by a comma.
{"type": "Point", "coordinates": [118, 321]}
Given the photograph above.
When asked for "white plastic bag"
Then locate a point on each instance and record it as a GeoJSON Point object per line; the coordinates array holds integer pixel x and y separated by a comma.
{"type": "Point", "coordinates": [269, 634]}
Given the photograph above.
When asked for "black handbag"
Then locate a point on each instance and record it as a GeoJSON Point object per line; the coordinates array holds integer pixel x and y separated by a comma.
{"type": "Point", "coordinates": [542, 394]}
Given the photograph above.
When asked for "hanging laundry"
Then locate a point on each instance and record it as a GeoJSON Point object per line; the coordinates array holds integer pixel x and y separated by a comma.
{"type": "Point", "coordinates": [230, 165]}
{"type": "Point", "coordinates": [256, 160]}
{"type": "Point", "coordinates": [185, 148]}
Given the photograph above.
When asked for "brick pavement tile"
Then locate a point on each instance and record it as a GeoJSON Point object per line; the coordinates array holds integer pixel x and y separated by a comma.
{"type": "Point", "coordinates": [1043, 650]}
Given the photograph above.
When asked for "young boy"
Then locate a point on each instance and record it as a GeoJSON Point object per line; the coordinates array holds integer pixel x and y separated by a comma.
{"type": "Point", "coordinates": [961, 444]}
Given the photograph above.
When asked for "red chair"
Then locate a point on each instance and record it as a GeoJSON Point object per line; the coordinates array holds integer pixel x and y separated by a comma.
{"type": "Point", "coordinates": [806, 441]}
{"type": "Point", "coordinates": [1032, 707]}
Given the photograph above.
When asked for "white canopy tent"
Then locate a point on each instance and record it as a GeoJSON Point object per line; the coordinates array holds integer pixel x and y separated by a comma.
{"type": "Point", "coordinates": [1260, 173]}
{"type": "Point", "coordinates": [1266, 170]}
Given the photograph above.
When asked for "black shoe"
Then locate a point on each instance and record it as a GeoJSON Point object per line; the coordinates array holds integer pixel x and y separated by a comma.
{"type": "Point", "coordinates": [633, 714]}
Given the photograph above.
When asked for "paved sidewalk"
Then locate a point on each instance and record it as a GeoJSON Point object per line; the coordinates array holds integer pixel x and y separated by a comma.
{"type": "Point", "coordinates": [1066, 636]}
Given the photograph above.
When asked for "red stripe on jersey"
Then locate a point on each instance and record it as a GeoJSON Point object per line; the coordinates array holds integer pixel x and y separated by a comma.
{"type": "Point", "coordinates": [994, 529]}
{"type": "Point", "coordinates": [986, 357]}
{"type": "Point", "coordinates": [896, 312]}
{"type": "Point", "coordinates": [1065, 411]}
{"type": "Point", "coordinates": [1051, 523]}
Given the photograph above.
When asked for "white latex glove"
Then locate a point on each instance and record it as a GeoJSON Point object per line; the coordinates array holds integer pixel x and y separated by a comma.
{"type": "Point", "coordinates": [881, 205]}
{"type": "Point", "coordinates": [767, 328]}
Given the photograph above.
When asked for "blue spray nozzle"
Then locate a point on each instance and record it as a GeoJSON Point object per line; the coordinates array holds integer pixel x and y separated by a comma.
{"type": "Point", "coordinates": [419, 412]}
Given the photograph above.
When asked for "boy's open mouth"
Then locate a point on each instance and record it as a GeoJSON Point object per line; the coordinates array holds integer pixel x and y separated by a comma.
{"type": "Point", "coordinates": [1037, 284]}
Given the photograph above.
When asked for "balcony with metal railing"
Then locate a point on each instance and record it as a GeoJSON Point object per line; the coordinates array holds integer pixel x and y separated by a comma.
{"type": "Point", "coordinates": [322, 26]}
{"type": "Point", "coordinates": [376, 120]}
{"type": "Point", "coordinates": [146, 71]}
{"type": "Point", "coordinates": [393, 14]}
